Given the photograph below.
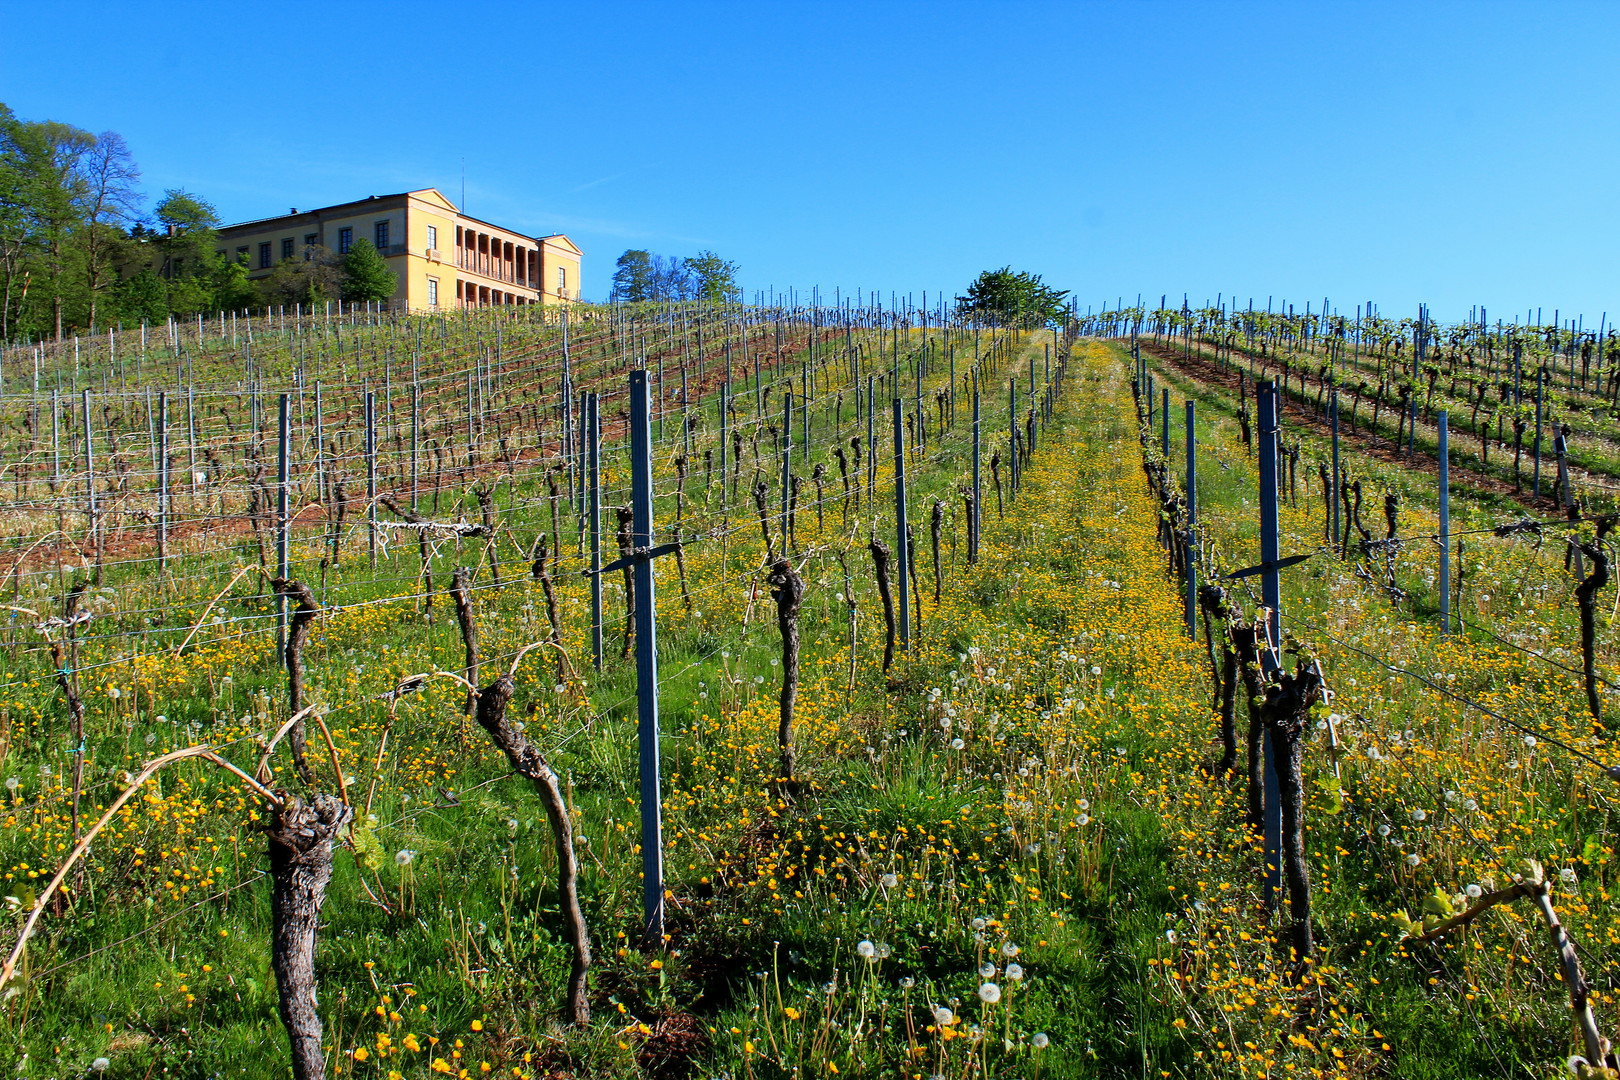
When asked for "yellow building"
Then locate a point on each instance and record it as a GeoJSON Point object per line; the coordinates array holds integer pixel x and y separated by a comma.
{"type": "Point", "coordinates": [443, 259]}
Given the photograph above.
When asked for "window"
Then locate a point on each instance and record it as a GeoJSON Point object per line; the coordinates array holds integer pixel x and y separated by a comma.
{"type": "Point", "coordinates": [562, 281]}
{"type": "Point", "coordinates": [287, 248]}
{"type": "Point", "coordinates": [241, 254]}
{"type": "Point", "coordinates": [433, 237]}
{"type": "Point", "coordinates": [382, 236]}
{"type": "Point", "coordinates": [433, 292]}
{"type": "Point", "coordinates": [222, 253]}
{"type": "Point", "coordinates": [310, 240]}
{"type": "Point", "coordinates": [264, 255]}
{"type": "Point", "coordinates": [345, 241]}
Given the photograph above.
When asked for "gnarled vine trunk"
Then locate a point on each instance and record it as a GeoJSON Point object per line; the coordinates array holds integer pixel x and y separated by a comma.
{"type": "Point", "coordinates": [301, 838]}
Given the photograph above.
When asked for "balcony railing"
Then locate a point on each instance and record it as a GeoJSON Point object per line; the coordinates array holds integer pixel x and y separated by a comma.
{"type": "Point", "coordinates": [490, 268]}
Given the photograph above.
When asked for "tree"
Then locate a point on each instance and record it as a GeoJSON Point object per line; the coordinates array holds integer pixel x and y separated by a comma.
{"type": "Point", "coordinates": [315, 277]}
{"type": "Point", "coordinates": [670, 279]}
{"type": "Point", "coordinates": [232, 289]}
{"type": "Point", "coordinates": [52, 191]}
{"type": "Point", "coordinates": [715, 279]}
{"type": "Point", "coordinates": [366, 275]}
{"type": "Point", "coordinates": [14, 237]}
{"type": "Point", "coordinates": [1004, 298]}
{"type": "Point", "coordinates": [141, 297]}
{"type": "Point", "coordinates": [111, 199]}
{"type": "Point", "coordinates": [188, 260]}
{"type": "Point", "coordinates": [632, 277]}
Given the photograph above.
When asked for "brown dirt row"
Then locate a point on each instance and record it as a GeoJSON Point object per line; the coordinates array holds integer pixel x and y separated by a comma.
{"type": "Point", "coordinates": [1206, 371]}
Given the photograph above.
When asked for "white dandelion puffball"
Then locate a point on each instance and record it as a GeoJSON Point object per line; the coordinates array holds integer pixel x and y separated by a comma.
{"type": "Point", "coordinates": [1420, 815]}
{"type": "Point", "coordinates": [978, 923]}
{"type": "Point", "coordinates": [989, 993]}
{"type": "Point", "coordinates": [987, 971]}
{"type": "Point", "coordinates": [1040, 1041]}
{"type": "Point", "coordinates": [957, 744]}
{"type": "Point", "coordinates": [404, 857]}
{"type": "Point", "coordinates": [943, 1016]}
{"type": "Point", "coordinates": [889, 881]}
{"type": "Point", "coordinates": [1474, 892]}
{"type": "Point", "coordinates": [1383, 830]}
{"type": "Point", "coordinates": [101, 1064]}
{"type": "Point", "coordinates": [1413, 860]}
{"type": "Point", "coordinates": [1530, 741]}
{"type": "Point", "coordinates": [867, 950]}
{"type": "Point", "coordinates": [1009, 950]}
{"type": "Point", "coordinates": [1567, 875]}
{"type": "Point", "coordinates": [1015, 972]}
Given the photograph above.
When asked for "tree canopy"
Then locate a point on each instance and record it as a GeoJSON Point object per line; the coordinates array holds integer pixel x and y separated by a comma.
{"type": "Point", "coordinates": [1007, 298]}
{"type": "Point", "coordinates": [366, 276]}
{"type": "Point", "coordinates": [715, 278]}
{"type": "Point", "coordinates": [641, 275]}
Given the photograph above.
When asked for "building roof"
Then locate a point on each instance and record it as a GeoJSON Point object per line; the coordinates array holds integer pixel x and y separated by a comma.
{"type": "Point", "coordinates": [433, 195]}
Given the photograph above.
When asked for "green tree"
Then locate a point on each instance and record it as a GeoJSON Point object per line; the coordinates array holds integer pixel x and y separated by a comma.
{"type": "Point", "coordinates": [188, 260]}
{"type": "Point", "coordinates": [14, 236]}
{"type": "Point", "coordinates": [632, 277]}
{"type": "Point", "coordinates": [141, 297]}
{"type": "Point", "coordinates": [1005, 298]}
{"type": "Point", "coordinates": [716, 279]}
{"type": "Point", "coordinates": [232, 289]}
{"type": "Point", "coordinates": [366, 276]}
{"type": "Point", "coordinates": [308, 279]}
{"type": "Point", "coordinates": [51, 192]}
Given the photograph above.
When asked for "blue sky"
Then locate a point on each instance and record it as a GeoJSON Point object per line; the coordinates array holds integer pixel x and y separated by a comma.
{"type": "Point", "coordinates": [1457, 154]}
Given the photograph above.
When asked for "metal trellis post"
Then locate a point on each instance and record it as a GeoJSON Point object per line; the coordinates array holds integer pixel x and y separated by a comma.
{"type": "Point", "coordinates": [1192, 523]}
{"type": "Point", "coordinates": [973, 549]}
{"type": "Point", "coordinates": [1271, 596]}
{"type": "Point", "coordinates": [902, 548]}
{"type": "Point", "coordinates": [594, 449]}
{"type": "Point", "coordinates": [371, 473]}
{"type": "Point", "coordinates": [283, 456]}
{"type": "Point", "coordinates": [1444, 583]}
